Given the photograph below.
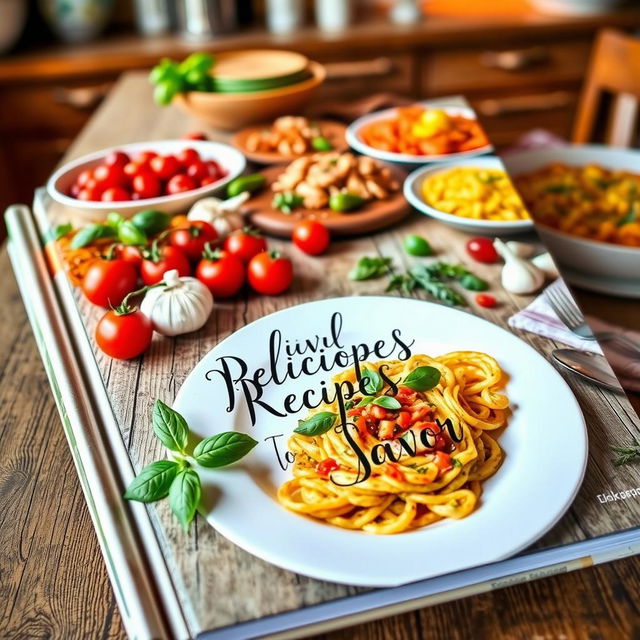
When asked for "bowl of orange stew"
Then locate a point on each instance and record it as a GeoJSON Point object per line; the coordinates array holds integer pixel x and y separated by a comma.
{"type": "Point", "coordinates": [419, 134]}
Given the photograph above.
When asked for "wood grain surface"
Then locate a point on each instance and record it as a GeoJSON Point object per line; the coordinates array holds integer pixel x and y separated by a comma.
{"type": "Point", "coordinates": [52, 582]}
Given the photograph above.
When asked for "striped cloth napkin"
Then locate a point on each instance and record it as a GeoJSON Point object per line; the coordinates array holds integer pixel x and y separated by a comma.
{"type": "Point", "coordinates": [541, 319]}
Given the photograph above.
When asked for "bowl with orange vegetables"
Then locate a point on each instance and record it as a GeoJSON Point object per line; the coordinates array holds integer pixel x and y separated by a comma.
{"type": "Point", "coordinates": [419, 134]}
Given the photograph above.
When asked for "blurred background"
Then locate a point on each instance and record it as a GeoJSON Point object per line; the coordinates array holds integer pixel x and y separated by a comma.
{"type": "Point", "coordinates": [521, 63]}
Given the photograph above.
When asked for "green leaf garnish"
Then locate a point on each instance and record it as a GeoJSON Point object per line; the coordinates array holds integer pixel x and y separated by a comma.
{"type": "Point", "coordinates": [184, 496]}
{"type": "Point", "coordinates": [153, 482]}
{"type": "Point", "coordinates": [387, 402]}
{"type": "Point", "coordinates": [90, 234]}
{"type": "Point", "coordinates": [365, 401]}
{"type": "Point", "coordinates": [223, 449]}
{"type": "Point", "coordinates": [374, 382]}
{"type": "Point", "coordinates": [170, 427]}
{"type": "Point", "coordinates": [317, 424]}
{"type": "Point", "coordinates": [370, 267]}
{"type": "Point", "coordinates": [422, 378]}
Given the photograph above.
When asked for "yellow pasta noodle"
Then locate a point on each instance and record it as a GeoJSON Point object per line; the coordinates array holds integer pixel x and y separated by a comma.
{"type": "Point", "coordinates": [391, 470]}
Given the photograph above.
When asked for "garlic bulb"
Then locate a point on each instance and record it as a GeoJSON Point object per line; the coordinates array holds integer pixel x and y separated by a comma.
{"type": "Point", "coordinates": [545, 263]}
{"type": "Point", "coordinates": [223, 215]}
{"type": "Point", "coordinates": [178, 306]}
{"type": "Point", "coordinates": [521, 249]}
{"type": "Point", "coordinates": [518, 275]}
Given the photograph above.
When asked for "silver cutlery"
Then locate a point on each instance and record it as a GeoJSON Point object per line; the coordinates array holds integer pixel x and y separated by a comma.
{"type": "Point", "coordinates": [592, 366]}
{"type": "Point", "coordinates": [571, 316]}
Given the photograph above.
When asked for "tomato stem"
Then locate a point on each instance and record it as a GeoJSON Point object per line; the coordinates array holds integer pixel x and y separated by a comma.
{"type": "Point", "coordinates": [124, 308]}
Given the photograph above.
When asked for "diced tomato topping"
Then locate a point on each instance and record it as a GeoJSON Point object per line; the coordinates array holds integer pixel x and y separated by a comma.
{"type": "Point", "coordinates": [361, 424]}
{"type": "Point", "coordinates": [325, 467]}
{"type": "Point", "coordinates": [406, 395]}
{"type": "Point", "coordinates": [378, 412]}
{"type": "Point", "coordinates": [443, 460]}
{"type": "Point", "coordinates": [395, 473]}
{"type": "Point", "coordinates": [386, 429]}
{"type": "Point", "coordinates": [420, 413]}
{"type": "Point", "coordinates": [432, 426]}
{"type": "Point", "coordinates": [404, 419]}
{"type": "Point", "coordinates": [356, 411]}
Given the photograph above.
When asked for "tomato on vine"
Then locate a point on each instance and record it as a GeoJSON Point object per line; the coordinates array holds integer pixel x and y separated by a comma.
{"type": "Point", "coordinates": [157, 260]}
{"type": "Point", "coordinates": [191, 240]}
{"type": "Point", "coordinates": [108, 280]}
{"type": "Point", "coordinates": [245, 244]}
{"type": "Point", "coordinates": [221, 272]}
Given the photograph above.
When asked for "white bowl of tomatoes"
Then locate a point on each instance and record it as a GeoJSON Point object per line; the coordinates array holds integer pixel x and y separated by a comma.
{"type": "Point", "coordinates": [167, 175]}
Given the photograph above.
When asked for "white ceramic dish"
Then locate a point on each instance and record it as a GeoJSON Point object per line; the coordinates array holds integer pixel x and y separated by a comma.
{"type": "Point", "coordinates": [355, 141]}
{"type": "Point", "coordinates": [600, 266]}
{"type": "Point", "coordinates": [413, 193]}
{"type": "Point", "coordinates": [60, 182]}
{"type": "Point", "coordinates": [534, 486]}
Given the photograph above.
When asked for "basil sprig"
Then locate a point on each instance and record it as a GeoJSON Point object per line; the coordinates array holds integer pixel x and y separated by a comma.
{"type": "Point", "coordinates": [386, 402]}
{"type": "Point", "coordinates": [374, 382]}
{"type": "Point", "coordinates": [317, 424]}
{"type": "Point", "coordinates": [370, 267]}
{"type": "Point", "coordinates": [178, 478]}
{"type": "Point", "coordinates": [90, 234]}
{"type": "Point", "coordinates": [422, 378]}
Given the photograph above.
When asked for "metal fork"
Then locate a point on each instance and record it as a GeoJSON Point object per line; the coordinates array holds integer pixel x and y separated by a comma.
{"type": "Point", "coordinates": [569, 314]}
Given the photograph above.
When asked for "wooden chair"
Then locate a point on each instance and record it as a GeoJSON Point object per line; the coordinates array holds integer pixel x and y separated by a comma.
{"type": "Point", "coordinates": [608, 105]}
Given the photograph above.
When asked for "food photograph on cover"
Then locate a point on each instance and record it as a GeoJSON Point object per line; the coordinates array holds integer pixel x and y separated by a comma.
{"type": "Point", "coordinates": [321, 319]}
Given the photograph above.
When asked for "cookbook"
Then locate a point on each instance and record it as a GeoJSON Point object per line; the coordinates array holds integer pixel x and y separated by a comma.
{"type": "Point", "coordinates": [380, 436]}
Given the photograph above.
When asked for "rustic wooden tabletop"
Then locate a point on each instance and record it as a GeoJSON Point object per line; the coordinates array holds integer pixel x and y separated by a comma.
{"type": "Point", "coordinates": [53, 582]}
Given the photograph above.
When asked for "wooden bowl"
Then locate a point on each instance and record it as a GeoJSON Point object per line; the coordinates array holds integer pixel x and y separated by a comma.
{"type": "Point", "coordinates": [333, 131]}
{"type": "Point", "coordinates": [374, 215]}
{"type": "Point", "coordinates": [236, 110]}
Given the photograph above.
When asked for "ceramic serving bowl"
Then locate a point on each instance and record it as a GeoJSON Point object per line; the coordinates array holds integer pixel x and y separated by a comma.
{"type": "Point", "coordinates": [61, 181]}
{"type": "Point", "coordinates": [236, 110]}
{"type": "Point", "coordinates": [413, 193]}
{"type": "Point", "coordinates": [599, 266]}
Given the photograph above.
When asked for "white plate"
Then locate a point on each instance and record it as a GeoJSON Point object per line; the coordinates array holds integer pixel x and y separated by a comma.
{"type": "Point", "coordinates": [596, 261]}
{"type": "Point", "coordinates": [60, 182]}
{"type": "Point", "coordinates": [413, 193]}
{"type": "Point", "coordinates": [545, 444]}
{"type": "Point", "coordinates": [354, 140]}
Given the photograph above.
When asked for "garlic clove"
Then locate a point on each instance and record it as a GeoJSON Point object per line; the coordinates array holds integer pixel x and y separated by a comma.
{"type": "Point", "coordinates": [233, 204]}
{"type": "Point", "coordinates": [518, 276]}
{"type": "Point", "coordinates": [546, 264]}
{"type": "Point", "coordinates": [521, 249]}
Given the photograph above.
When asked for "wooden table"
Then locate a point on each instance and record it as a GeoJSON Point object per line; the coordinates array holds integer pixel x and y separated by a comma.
{"type": "Point", "coordinates": [52, 579]}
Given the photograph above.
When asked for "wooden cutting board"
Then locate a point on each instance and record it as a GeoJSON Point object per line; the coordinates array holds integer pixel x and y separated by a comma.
{"type": "Point", "coordinates": [374, 215]}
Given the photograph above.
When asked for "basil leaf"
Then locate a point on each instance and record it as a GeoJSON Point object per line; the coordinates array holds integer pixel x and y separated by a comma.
{"type": "Point", "coordinates": [387, 402]}
{"type": "Point", "coordinates": [223, 449]}
{"type": "Point", "coordinates": [374, 381]}
{"type": "Point", "coordinates": [370, 267]}
{"type": "Point", "coordinates": [90, 234]}
{"type": "Point", "coordinates": [422, 378]}
{"type": "Point", "coordinates": [58, 232]}
{"type": "Point", "coordinates": [365, 401]}
{"type": "Point", "coordinates": [317, 424]}
{"type": "Point", "coordinates": [184, 496]}
{"type": "Point", "coordinates": [128, 233]}
{"type": "Point", "coordinates": [170, 427]}
{"type": "Point", "coordinates": [349, 404]}
{"type": "Point", "coordinates": [114, 219]}
{"type": "Point", "coordinates": [153, 482]}
{"type": "Point", "coordinates": [473, 283]}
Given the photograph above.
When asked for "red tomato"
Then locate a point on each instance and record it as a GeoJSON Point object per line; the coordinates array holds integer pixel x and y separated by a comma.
{"type": "Point", "coordinates": [75, 190]}
{"type": "Point", "coordinates": [485, 300]}
{"type": "Point", "coordinates": [191, 241]}
{"type": "Point", "coordinates": [180, 183]}
{"type": "Point", "coordinates": [222, 273]}
{"type": "Point", "coordinates": [110, 176]}
{"type": "Point", "coordinates": [197, 170]}
{"type": "Point", "coordinates": [165, 166]}
{"type": "Point", "coordinates": [84, 177]}
{"type": "Point", "coordinates": [311, 237]}
{"type": "Point", "coordinates": [188, 156]}
{"type": "Point", "coordinates": [208, 180]}
{"type": "Point", "coordinates": [146, 185]}
{"type": "Point", "coordinates": [117, 158]}
{"type": "Point", "coordinates": [215, 170]}
{"type": "Point", "coordinates": [115, 194]}
{"type": "Point", "coordinates": [124, 335]}
{"type": "Point", "coordinates": [326, 466]}
{"type": "Point", "coordinates": [270, 273]}
{"type": "Point", "coordinates": [153, 267]}
{"type": "Point", "coordinates": [245, 244]}
{"type": "Point", "coordinates": [88, 195]}
{"type": "Point", "coordinates": [443, 461]}
{"type": "Point", "coordinates": [482, 249]}
{"type": "Point", "coordinates": [107, 282]}
{"type": "Point", "coordinates": [131, 169]}
{"type": "Point", "coordinates": [130, 254]}
{"type": "Point", "coordinates": [145, 157]}
{"type": "Point", "coordinates": [195, 135]}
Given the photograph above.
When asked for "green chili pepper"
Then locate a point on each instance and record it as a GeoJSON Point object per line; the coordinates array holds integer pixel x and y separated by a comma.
{"type": "Point", "coordinates": [250, 183]}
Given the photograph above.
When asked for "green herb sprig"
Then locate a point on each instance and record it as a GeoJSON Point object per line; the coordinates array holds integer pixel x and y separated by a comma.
{"type": "Point", "coordinates": [178, 478]}
{"type": "Point", "coordinates": [626, 455]}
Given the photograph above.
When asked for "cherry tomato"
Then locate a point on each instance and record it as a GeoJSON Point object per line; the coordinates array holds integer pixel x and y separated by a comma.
{"type": "Point", "coordinates": [154, 266]}
{"type": "Point", "coordinates": [75, 190]}
{"type": "Point", "coordinates": [482, 250]}
{"type": "Point", "coordinates": [130, 254]}
{"type": "Point", "coordinates": [132, 169]}
{"type": "Point", "coordinates": [208, 180]}
{"type": "Point", "coordinates": [145, 157]}
{"type": "Point", "coordinates": [485, 300]}
{"type": "Point", "coordinates": [197, 170]}
{"type": "Point", "coordinates": [215, 170]}
{"type": "Point", "coordinates": [221, 272]}
{"type": "Point", "coordinates": [124, 335]}
{"type": "Point", "coordinates": [191, 241]}
{"type": "Point", "coordinates": [326, 466]}
{"type": "Point", "coordinates": [88, 194]}
{"type": "Point", "coordinates": [270, 273]}
{"type": "Point", "coordinates": [117, 158]}
{"type": "Point", "coordinates": [115, 194]}
{"type": "Point", "coordinates": [165, 166]}
{"type": "Point", "coordinates": [245, 244]}
{"type": "Point", "coordinates": [146, 185]}
{"type": "Point", "coordinates": [188, 156]}
{"type": "Point", "coordinates": [180, 183]}
{"type": "Point", "coordinates": [84, 177]}
{"type": "Point", "coordinates": [108, 176]}
{"type": "Point", "coordinates": [311, 237]}
{"type": "Point", "coordinates": [107, 282]}
{"type": "Point", "coordinates": [195, 135]}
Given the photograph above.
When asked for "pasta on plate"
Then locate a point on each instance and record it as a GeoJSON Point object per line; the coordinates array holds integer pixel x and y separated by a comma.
{"type": "Point", "coordinates": [430, 442]}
